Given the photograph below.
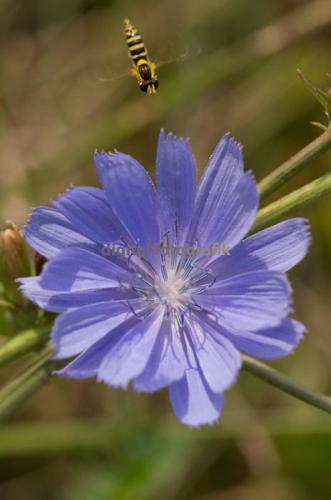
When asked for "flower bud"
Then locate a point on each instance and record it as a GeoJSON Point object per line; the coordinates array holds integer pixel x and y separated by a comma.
{"type": "Point", "coordinates": [14, 256]}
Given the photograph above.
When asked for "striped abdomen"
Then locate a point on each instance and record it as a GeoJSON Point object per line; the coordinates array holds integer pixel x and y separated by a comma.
{"type": "Point", "coordinates": [137, 49]}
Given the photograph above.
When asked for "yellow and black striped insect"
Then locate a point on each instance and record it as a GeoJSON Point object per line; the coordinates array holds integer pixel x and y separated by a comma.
{"type": "Point", "coordinates": [143, 69]}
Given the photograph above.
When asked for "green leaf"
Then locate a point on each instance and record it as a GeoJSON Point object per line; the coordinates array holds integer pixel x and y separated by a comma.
{"type": "Point", "coordinates": [319, 94]}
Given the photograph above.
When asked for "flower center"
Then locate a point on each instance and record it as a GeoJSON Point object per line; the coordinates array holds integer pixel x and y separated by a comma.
{"type": "Point", "coordinates": [175, 287]}
{"type": "Point", "coordinates": [172, 289]}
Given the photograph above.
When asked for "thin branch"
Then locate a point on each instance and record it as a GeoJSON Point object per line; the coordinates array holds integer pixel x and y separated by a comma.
{"type": "Point", "coordinates": [23, 343]}
{"type": "Point", "coordinates": [294, 165]}
{"type": "Point", "coordinates": [298, 198]}
{"type": "Point", "coordinates": [16, 393]}
{"type": "Point", "coordinates": [286, 384]}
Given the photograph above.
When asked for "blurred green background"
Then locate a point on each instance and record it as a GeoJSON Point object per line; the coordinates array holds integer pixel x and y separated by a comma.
{"type": "Point", "coordinates": [233, 67]}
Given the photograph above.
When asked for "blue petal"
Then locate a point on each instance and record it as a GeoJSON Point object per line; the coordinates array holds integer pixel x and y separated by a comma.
{"type": "Point", "coordinates": [90, 214]}
{"type": "Point", "coordinates": [249, 301]}
{"type": "Point", "coordinates": [273, 343]}
{"type": "Point", "coordinates": [281, 246]}
{"type": "Point", "coordinates": [75, 269]}
{"type": "Point", "coordinates": [129, 355]}
{"type": "Point", "coordinates": [176, 182]}
{"type": "Point", "coordinates": [270, 343]}
{"type": "Point", "coordinates": [226, 200]}
{"type": "Point", "coordinates": [48, 232]}
{"type": "Point", "coordinates": [218, 359]}
{"type": "Point", "coordinates": [193, 402]}
{"type": "Point", "coordinates": [277, 248]}
{"type": "Point", "coordinates": [229, 223]}
{"type": "Point", "coordinates": [166, 363]}
{"type": "Point", "coordinates": [131, 195]}
{"type": "Point", "coordinates": [76, 331]}
{"type": "Point", "coordinates": [88, 363]}
{"type": "Point", "coordinates": [54, 301]}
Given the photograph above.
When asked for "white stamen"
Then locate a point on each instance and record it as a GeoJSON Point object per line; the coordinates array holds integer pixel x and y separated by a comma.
{"type": "Point", "coordinates": [170, 290]}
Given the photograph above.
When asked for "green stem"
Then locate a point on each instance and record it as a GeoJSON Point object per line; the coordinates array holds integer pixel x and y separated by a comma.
{"type": "Point", "coordinates": [23, 343]}
{"type": "Point", "coordinates": [286, 384]}
{"type": "Point", "coordinates": [295, 164]}
{"type": "Point", "coordinates": [16, 393]}
{"type": "Point", "coordinates": [298, 198]}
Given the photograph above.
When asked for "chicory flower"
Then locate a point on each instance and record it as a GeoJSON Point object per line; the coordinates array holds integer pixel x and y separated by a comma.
{"type": "Point", "coordinates": [161, 287]}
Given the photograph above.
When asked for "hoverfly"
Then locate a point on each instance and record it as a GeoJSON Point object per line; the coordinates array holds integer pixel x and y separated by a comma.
{"type": "Point", "coordinates": [143, 69]}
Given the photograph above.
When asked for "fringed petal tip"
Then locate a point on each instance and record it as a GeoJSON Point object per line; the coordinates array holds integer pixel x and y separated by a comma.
{"type": "Point", "coordinates": [27, 285]}
{"type": "Point", "coordinates": [300, 331]}
{"type": "Point", "coordinates": [116, 385]}
{"type": "Point", "coordinates": [54, 201]}
{"type": "Point", "coordinates": [210, 423]}
{"type": "Point", "coordinates": [64, 372]}
{"type": "Point", "coordinates": [192, 400]}
{"type": "Point", "coordinates": [306, 227]}
{"type": "Point", "coordinates": [229, 139]}
{"type": "Point", "coordinates": [104, 158]}
{"type": "Point", "coordinates": [170, 135]}
{"type": "Point", "coordinates": [28, 221]}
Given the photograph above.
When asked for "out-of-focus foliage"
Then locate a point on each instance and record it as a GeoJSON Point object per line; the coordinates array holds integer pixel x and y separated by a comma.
{"type": "Point", "coordinates": [60, 98]}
